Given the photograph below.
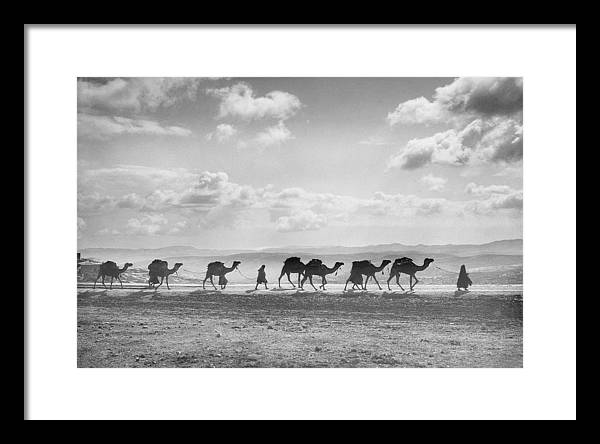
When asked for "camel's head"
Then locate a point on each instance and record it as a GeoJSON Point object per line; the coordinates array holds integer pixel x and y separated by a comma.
{"type": "Point", "coordinates": [235, 264]}
{"type": "Point", "coordinates": [176, 267]}
{"type": "Point", "coordinates": [128, 264]}
{"type": "Point", "coordinates": [428, 260]}
{"type": "Point", "coordinates": [339, 264]}
{"type": "Point", "coordinates": [386, 262]}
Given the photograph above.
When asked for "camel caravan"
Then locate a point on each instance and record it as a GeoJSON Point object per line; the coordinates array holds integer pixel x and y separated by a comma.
{"type": "Point", "coordinates": [360, 273]}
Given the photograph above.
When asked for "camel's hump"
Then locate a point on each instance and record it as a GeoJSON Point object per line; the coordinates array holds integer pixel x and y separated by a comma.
{"type": "Point", "coordinates": [291, 259]}
{"type": "Point", "coordinates": [216, 263]}
{"type": "Point", "coordinates": [360, 263]}
{"type": "Point", "coordinates": [157, 263]}
{"type": "Point", "coordinates": [314, 263]}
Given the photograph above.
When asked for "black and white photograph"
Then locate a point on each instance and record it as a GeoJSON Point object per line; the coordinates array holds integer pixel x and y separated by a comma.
{"type": "Point", "coordinates": [299, 222]}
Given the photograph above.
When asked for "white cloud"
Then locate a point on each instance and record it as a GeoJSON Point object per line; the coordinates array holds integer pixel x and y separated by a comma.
{"type": "Point", "coordinates": [302, 220]}
{"type": "Point", "coordinates": [464, 98]}
{"type": "Point", "coordinates": [108, 231]}
{"type": "Point", "coordinates": [204, 200]}
{"type": "Point", "coordinates": [434, 183]}
{"type": "Point", "coordinates": [419, 110]}
{"type": "Point", "coordinates": [222, 133]}
{"type": "Point", "coordinates": [99, 127]}
{"type": "Point", "coordinates": [491, 140]}
{"type": "Point", "coordinates": [239, 101]}
{"type": "Point", "coordinates": [274, 135]}
{"type": "Point", "coordinates": [134, 94]}
{"type": "Point", "coordinates": [473, 188]}
{"type": "Point", "coordinates": [486, 115]}
{"type": "Point", "coordinates": [149, 225]}
{"type": "Point", "coordinates": [493, 197]}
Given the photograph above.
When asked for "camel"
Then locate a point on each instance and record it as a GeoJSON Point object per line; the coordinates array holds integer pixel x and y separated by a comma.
{"type": "Point", "coordinates": [159, 268]}
{"type": "Point", "coordinates": [366, 268]}
{"type": "Point", "coordinates": [109, 268]}
{"type": "Point", "coordinates": [292, 265]}
{"type": "Point", "coordinates": [395, 273]}
{"type": "Point", "coordinates": [219, 269]}
{"type": "Point", "coordinates": [407, 266]}
{"type": "Point", "coordinates": [317, 268]}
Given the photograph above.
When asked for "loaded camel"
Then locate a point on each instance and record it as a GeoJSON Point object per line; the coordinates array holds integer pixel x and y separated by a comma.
{"type": "Point", "coordinates": [292, 265]}
{"type": "Point", "coordinates": [315, 267]}
{"type": "Point", "coordinates": [219, 269]}
{"type": "Point", "coordinates": [109, 268]}
{"type": "Point", "coordinates": [160, 269]}
{"type": "Point", "coordinates": [407, 266]}
{"type": "Point", "coordinates": [368, 269]}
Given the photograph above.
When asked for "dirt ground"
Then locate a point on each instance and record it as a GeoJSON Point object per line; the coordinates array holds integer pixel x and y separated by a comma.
{"type": "Point", "coordinates": [196, 328]}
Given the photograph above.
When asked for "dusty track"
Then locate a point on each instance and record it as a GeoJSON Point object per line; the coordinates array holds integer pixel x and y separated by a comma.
{"type": "Point", "coordinates": [196, 328]}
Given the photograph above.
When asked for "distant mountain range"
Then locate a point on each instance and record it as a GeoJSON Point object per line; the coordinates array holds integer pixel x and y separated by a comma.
{"type": "Point", "coordinates": [505, 247]}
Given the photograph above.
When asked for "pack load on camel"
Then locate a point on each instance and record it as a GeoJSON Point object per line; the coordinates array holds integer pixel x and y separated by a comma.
{"type": "Point", "coordinates": [292, 260]}
{"type": "Point", "coordinates": [314, 263]}
{"type": "Point", "coordinates": [155, 269]}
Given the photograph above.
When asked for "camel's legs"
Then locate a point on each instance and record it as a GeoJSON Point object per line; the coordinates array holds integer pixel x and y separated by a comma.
{"type": "Point", "coordinates": [366, 281]}
{"type": "Point", "coordinates": [161, 282]}
{"type": "Point", "coordinates": [416, 281]}
{"type": "Point", "coordinates": [389, 279]}
{"type": "Point", "coordinates": [303, 281]}
{"type": "Point", "coordinates": [266, 288]}
{"type": "Point", "coordinates": [167, 279]}
{"type": "Point", "coordinates": [353, 284]}
{"type": "Point", "coordinates": [311, 282]}
{"type": "Point", "coordinates": [323, 282]}
{"type": "Point", "coordinates": [375, 279]}
{"type": "Point", "coordinates": [204, 281]}
{"type": "Point", "coordinates": [299, 276]}
{"type": "Point", "coordinates": [119, 278]}
{"type": "Point", "coordinates": [104, 285]}
{"type": "Point", "coordinates": [288, 278]}
{"type": "Point", "coordinates": [99, 274]}
{"type": "Point", "coordinates": [212, 283]}
{"type": "Point", "coordinates": [398, 282]}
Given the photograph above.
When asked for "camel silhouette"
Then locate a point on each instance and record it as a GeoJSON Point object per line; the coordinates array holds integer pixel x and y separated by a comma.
{"type": "Point", "coordinates": [218, 269]}
{"type": "Point", "coordinates": [315, 267]}
{"type": "Point", "coordinates": [109, 268]}
{"type": "Point", "coordinates": [292, 265]}
{"type": "Point", "coordinates": [407, 266]}
{"type": "Point", "coordinates": [160, 269]}
{"type": "Point", "coordinates": [365, 268]}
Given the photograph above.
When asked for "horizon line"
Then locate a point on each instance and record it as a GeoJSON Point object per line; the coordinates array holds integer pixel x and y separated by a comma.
{"type": "Point", "coordinates": [306, 246]}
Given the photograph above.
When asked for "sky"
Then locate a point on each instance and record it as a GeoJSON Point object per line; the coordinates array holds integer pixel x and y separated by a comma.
{"type": "Point", "coordinates": [244, 163]}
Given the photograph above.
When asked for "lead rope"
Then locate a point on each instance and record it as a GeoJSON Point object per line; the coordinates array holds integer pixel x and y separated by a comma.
{"type": "Point", "coordinates": [243, 275]}
{"type": "Point", "coordinates": [447, 271]}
